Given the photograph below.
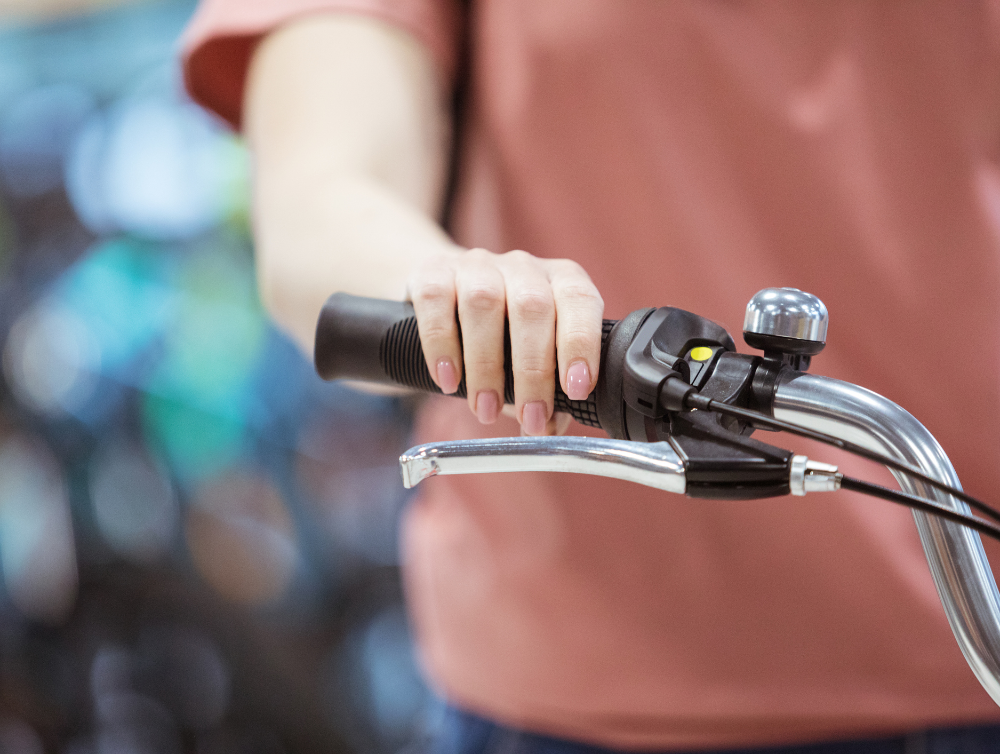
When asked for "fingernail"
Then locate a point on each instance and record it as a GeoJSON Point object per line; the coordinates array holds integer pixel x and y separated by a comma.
{"type": "Point", "coordinates": [578, 381]}
{"type": "Point", "coordinates": [487, 406]}
{"type": "Point", "coordinates": [447, 376]}
{"type": "Point", "coordinates": [534, 416]}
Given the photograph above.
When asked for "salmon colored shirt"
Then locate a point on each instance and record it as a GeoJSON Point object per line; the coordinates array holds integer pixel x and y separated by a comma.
{"type": "Point", "coordinates": [690, 153]}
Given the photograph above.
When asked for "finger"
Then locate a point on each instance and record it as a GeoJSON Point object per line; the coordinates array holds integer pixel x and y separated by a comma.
{"type": "Point", "coordinates": [531, 314]}
{"type": "Point", "coordinates": [432, 291]}
{"type": "Point", "coordinates": [481, 312]}
{"type": "Point", "coordinates": [557, 425]}
{"type": "Point", "coordinates": [579, 313]}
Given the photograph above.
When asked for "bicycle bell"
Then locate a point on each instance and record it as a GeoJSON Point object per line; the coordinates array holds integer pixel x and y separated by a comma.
{"type": "Point", "coordinates": [787, 324]}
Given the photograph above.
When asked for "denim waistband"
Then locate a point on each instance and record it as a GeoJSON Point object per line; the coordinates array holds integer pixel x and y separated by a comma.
{"type": "Point", "coordinates": [460, 732]}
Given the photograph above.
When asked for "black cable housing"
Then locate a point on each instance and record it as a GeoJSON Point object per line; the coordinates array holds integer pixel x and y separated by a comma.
{"type": "Point", "coordinates": [912, 501]}
{"type": "Point", "coordinates": [695, 400]}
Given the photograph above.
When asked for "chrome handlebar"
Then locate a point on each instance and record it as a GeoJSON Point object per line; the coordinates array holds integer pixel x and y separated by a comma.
{"type": "Point", "coordinates": [955, 554]}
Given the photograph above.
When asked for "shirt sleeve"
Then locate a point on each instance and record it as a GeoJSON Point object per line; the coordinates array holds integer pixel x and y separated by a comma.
{"type": "Point", "coordinates": [220, 39]}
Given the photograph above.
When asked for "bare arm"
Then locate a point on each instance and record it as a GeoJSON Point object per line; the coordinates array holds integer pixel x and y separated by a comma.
{"type": "Point", "coordinates": [349, 138]}
{"type": "Point", "coordinates": [348, 126]}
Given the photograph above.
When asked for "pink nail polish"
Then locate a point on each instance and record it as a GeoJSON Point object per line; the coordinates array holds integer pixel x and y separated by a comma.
{"type": "Point", "coordinates": [447, 376]}
{"type": "Point", "coordinates": [578, 381]}
{"type": "Point", "coordinates": [487, 406]}
{"type": "Point", "coordinates": [534, 417]}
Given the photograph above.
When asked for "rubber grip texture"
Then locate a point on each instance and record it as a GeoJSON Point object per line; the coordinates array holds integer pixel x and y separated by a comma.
{"type": "Point", "coordinates": [377, 341]}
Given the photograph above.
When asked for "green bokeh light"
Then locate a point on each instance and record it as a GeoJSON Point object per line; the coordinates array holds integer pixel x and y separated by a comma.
{"type": "Point", "coordinates": [201, 395]}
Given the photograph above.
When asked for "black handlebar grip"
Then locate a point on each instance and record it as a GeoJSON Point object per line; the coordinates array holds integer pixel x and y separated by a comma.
{"type": "Point", "coordinates": [377, 341]}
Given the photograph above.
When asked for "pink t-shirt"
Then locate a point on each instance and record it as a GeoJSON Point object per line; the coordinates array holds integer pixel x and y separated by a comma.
{"type": "Point", "coordinates": [690, 153]}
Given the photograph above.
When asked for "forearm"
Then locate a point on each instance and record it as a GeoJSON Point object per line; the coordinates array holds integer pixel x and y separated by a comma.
{"type": "Point", "coordinates": [348, 132]}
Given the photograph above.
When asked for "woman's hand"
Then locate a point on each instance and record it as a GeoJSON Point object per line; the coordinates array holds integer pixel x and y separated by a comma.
{"type": "Point", "coordinates": [554, 313]}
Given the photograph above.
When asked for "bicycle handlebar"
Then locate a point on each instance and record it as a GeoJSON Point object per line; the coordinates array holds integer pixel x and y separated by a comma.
{"type": "Point", "coordinates": [651, 363]}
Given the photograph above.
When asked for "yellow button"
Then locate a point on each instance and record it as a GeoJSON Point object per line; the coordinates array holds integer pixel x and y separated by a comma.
{"type": "Point", "coordinates": [701, 353]}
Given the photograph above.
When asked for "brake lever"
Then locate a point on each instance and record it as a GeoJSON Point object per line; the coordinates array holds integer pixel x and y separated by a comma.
{"type": "Point", "coordinates": [654, 465]}
{"type": "Point", "coordinates": [658, 465]}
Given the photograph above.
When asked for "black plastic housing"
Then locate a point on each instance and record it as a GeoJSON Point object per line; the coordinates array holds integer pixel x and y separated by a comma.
{"type": "Point", "coordinates": [721, 465]}
{"type": "Point", "coordinates": [658, 351]}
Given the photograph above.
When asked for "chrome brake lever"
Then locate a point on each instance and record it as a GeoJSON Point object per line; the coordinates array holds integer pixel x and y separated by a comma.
{"type": "Point", "coordinates": [657, 465]}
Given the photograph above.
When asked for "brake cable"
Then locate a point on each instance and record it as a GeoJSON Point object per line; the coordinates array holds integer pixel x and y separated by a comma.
{"type": "Point", "coordinates": [695, 400]}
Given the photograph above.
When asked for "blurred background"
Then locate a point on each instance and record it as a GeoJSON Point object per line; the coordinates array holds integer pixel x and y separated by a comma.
{"type": "Point", "coordinates": [197, 535]}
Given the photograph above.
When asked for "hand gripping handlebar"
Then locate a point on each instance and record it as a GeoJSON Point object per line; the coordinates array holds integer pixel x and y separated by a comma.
{"type": "Point", "coordinates": [652, 362]}
{"type": "Point", "coordinates": [377, 341]}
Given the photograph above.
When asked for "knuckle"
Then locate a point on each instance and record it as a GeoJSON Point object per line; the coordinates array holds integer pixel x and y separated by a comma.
{"type": "Point", "coordinates": [434, 331]}
{"type": "Point", "coordinates": [483, 298]}
{"type": "Point", "coordinates": [577, 338]}
{"type": "Point", "coordinates": [478, 254]}
{"type": "Point", "coordinates": [567, 267]}
{"type": "Point", "coordinates": [430, 290]}
{"type": "Point", "coordinates": [536, 368]}
{"type": "Point", "coordinates": [523, 260]}
{"type": "Point", "coordinates": [481, 358]}
{"type": "Point", "coordinates": [579, 294]}
{"type": "Point", "coordinates": [518, 254]}
{"type": "Point", "coordinates": [533, 305]}
{"type": "Point", "coordinates": [484, 366]}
